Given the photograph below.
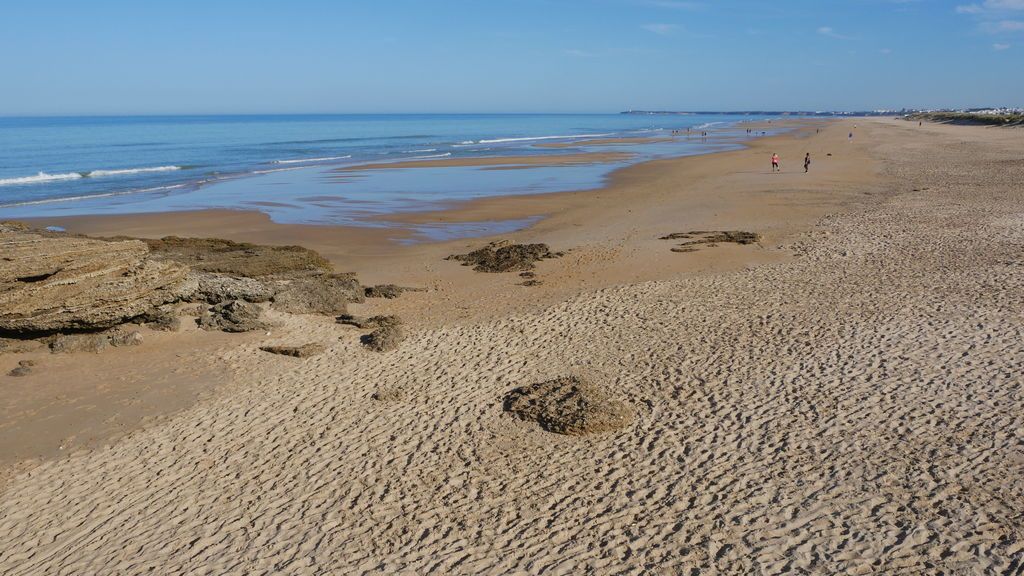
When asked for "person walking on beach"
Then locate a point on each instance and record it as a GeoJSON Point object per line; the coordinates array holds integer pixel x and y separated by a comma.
{"type": "Point", "coordinates": [807, 163]}
{"type": "Point", "coordinates": [775, 163]}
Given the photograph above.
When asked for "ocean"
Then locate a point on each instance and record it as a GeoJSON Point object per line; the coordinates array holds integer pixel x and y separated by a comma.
{"type": "Point", "coordinates": [62, 166]}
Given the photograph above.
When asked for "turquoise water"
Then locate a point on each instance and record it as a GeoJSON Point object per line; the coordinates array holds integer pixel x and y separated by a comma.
{"type": "Point", "coordinates": [284, 165]}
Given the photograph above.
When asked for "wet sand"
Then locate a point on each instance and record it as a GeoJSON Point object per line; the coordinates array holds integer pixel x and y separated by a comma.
{"type": "Point", "coordinates": [604, 142]}
{"type": "Point", "coordinates": [842, 397]}
{"type": "Point", "coordinates": [536, 161]}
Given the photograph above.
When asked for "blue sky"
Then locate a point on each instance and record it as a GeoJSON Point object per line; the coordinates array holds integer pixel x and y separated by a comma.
{"type": "Point", "coordinates": [139, 57]}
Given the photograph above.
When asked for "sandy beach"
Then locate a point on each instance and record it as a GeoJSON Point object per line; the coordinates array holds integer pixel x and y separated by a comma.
{"type": "Point", "coordinates": [840, 396]}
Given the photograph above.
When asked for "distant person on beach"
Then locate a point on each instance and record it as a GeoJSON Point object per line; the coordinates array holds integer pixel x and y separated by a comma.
{"type": "Point", "coordinates": [807, 163]}
{"type": "Point", "coordinates": [775, 163]}
{"type": "Point", "coordinates": [851, 136]}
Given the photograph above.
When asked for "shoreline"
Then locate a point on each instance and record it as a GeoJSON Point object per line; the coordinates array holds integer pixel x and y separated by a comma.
{"type": "Point", "coordinates": [611, 236]}
{"type": "Point", "coordinates": [361, 242]}
{"type": "Point", "coordinates": [839, 396]}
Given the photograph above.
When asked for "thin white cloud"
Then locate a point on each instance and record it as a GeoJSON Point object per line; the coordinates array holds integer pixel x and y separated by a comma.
{"type": "Point", "coordinates": [674, 4]}
{"type": "Point", "coordinates": [886, 50]}
{"type": "Point", "coordinates": [1000, 47]}
{"type": "Point", "coordinates": [1004, 4]}
{"type": "Point", "coordinates": [1003, 26]}
{"type": "Point", "coordinates": [661, 29]}
{"type": "Point", "coordinates": [831, 33]}
{"type": "Point", "coordinates": [989, 6]}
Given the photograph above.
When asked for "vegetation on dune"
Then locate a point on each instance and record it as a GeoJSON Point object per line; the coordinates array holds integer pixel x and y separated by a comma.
{"type": "Point", "coordinates": [975, 118]}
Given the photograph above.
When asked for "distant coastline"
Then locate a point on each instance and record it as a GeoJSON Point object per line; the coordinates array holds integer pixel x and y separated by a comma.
{"type": "Point", "coordinates": [824, 114]}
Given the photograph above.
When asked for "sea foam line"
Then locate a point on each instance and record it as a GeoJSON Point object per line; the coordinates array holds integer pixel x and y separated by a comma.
{"type": "Point", "coordinates": [90, 196]}
{"type": "Point", "coordinates": [527, 139]}
{"type": "Point", "coordinates": [40, 177]}
{"type": "Point", "coordinates": [44, 177]}
{"type": "Point", "coordinates": [304, 160]}
{"type": "Point", "coordinates": [119, 172]}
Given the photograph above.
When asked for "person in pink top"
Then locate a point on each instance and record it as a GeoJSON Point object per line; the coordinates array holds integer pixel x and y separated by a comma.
{"type": "Point", "coordinates": [775, 163]}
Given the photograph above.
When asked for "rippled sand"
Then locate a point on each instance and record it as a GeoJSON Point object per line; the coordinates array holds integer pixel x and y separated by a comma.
{"type": "Point", "coordinates": [854, 408]}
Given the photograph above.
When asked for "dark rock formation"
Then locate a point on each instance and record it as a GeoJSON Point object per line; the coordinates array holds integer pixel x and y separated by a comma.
{"type": "Point", "coordinates": [19, 346]}
{"type": "Point", "coordinates": [384, 339]}
{"type": "Point", "coordinates": [370, 323]}
{"type": "Point", "coordinates": [698, 238]}
{"type": "Point", "coordinates": [24, 368]}
{"type": "Point", "coordinates": [159, 319]}
{"type": "Point", "coordinates": [388, 291]}
{"type": "Point", "coordinates": [237, 259]}
{"type": "Point", "coordinates": [569, 406]}
{"type": "Point", "coordinates": [68, 343]}
{"type": "Point", "coordinates": [317, 293]}
{"type": "Point", "coordinates": [233, 316]}
{"type": "Point", "coordinates": [304, 351]}
{"type": "Point", "coordinates": [133, 338]}
{"type": "Point", "coordinates": [505, 257]}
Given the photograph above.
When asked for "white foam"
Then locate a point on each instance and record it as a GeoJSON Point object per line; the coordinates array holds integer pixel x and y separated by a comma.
{"type": "Point", "coordinates": [305, 160]}
{"type": "Point", "coordinates": [531, 138]}
{"type": "Point", "coordinates": [99, 173]}
{"type": "Point", "coordinates": [424, 150]}
{"type": "Point", "coordinates": [445, 155]}
{"type": "Point", "coordinates": [272, 170]}
{"type": "Point", "coordinates": [40, 177]}
{"type": "Point", "coordinates": [44, 177]}
{"type": "Point", "coordinates": [90, 196]}
{"type": "Point", "coordinates": [708, 125]}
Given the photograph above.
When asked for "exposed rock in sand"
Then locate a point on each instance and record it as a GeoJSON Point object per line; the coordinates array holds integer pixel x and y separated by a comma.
{"type": "Point", "coordinates": [219, 287]}
{"type": "Point", "coordinates": [19, 346]}
{"type": "Point", "coordinates": [237, 258]}
{"type": "Point", "coordinates": [24, 368]}
{"type": "Point", "coordinates": [67, 343]}
{"type": "Point", "coordinates": [318, 294]}
{"type": "Point", "coordinates": [296, 279]}
{"type": "Point", "coordinates": [133, 338]}
{"type": "Point", "coordinates": [389, 395]}
{"type": "Point", "coordinates": [53, 282]}
{"type": "Point", "coordinates": [698, 238]}
{"type": "Point", "coordinates": [384, 339]}
{"type": "Point", "coordinates": [160, 319]}
{"type": "Point", "coordinates": [388, 291]}
{"type": "Point", "coordinates": [569, 406]}
{"type": "Point", "coordinates": [233, 316]}
{"type": "Point", "coordinates": [505, 257]}
{"type": "Point", "coordinates": [369, 323]}
{"type": "Point", "coordinates": [304, 351]}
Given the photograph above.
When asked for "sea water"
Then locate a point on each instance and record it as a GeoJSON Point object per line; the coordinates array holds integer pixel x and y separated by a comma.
{"type": "Point", "coordinates": [286, 166]}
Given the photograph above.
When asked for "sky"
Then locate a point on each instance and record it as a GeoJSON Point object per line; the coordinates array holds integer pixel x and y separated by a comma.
{"type": "Point", "coordinates": [447, 56]}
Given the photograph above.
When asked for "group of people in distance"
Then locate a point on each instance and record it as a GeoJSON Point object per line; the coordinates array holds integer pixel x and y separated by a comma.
{"type": "Point", "coordinates": [777, 168]}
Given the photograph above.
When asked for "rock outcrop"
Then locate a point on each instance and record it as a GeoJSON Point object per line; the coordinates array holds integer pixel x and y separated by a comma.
{"type": "Point", "coordinates": [53, 282]}
{"type": "Point", "coordinates": [384, 339]}
{"type": "Point", "coordinates": [316, 293]}
{"type": "Point", "coordinates": [304, 351]}
{"type": "Point", "coordinates": [233, 316]}
{"type": "Point", "coordinates": [570, 406]}
{"type": "Point", "coordinates": [503, 256]}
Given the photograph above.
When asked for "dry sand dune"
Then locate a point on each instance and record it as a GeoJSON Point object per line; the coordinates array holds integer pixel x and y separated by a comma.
{"type": "Point", "coordinates": [856, 409]}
